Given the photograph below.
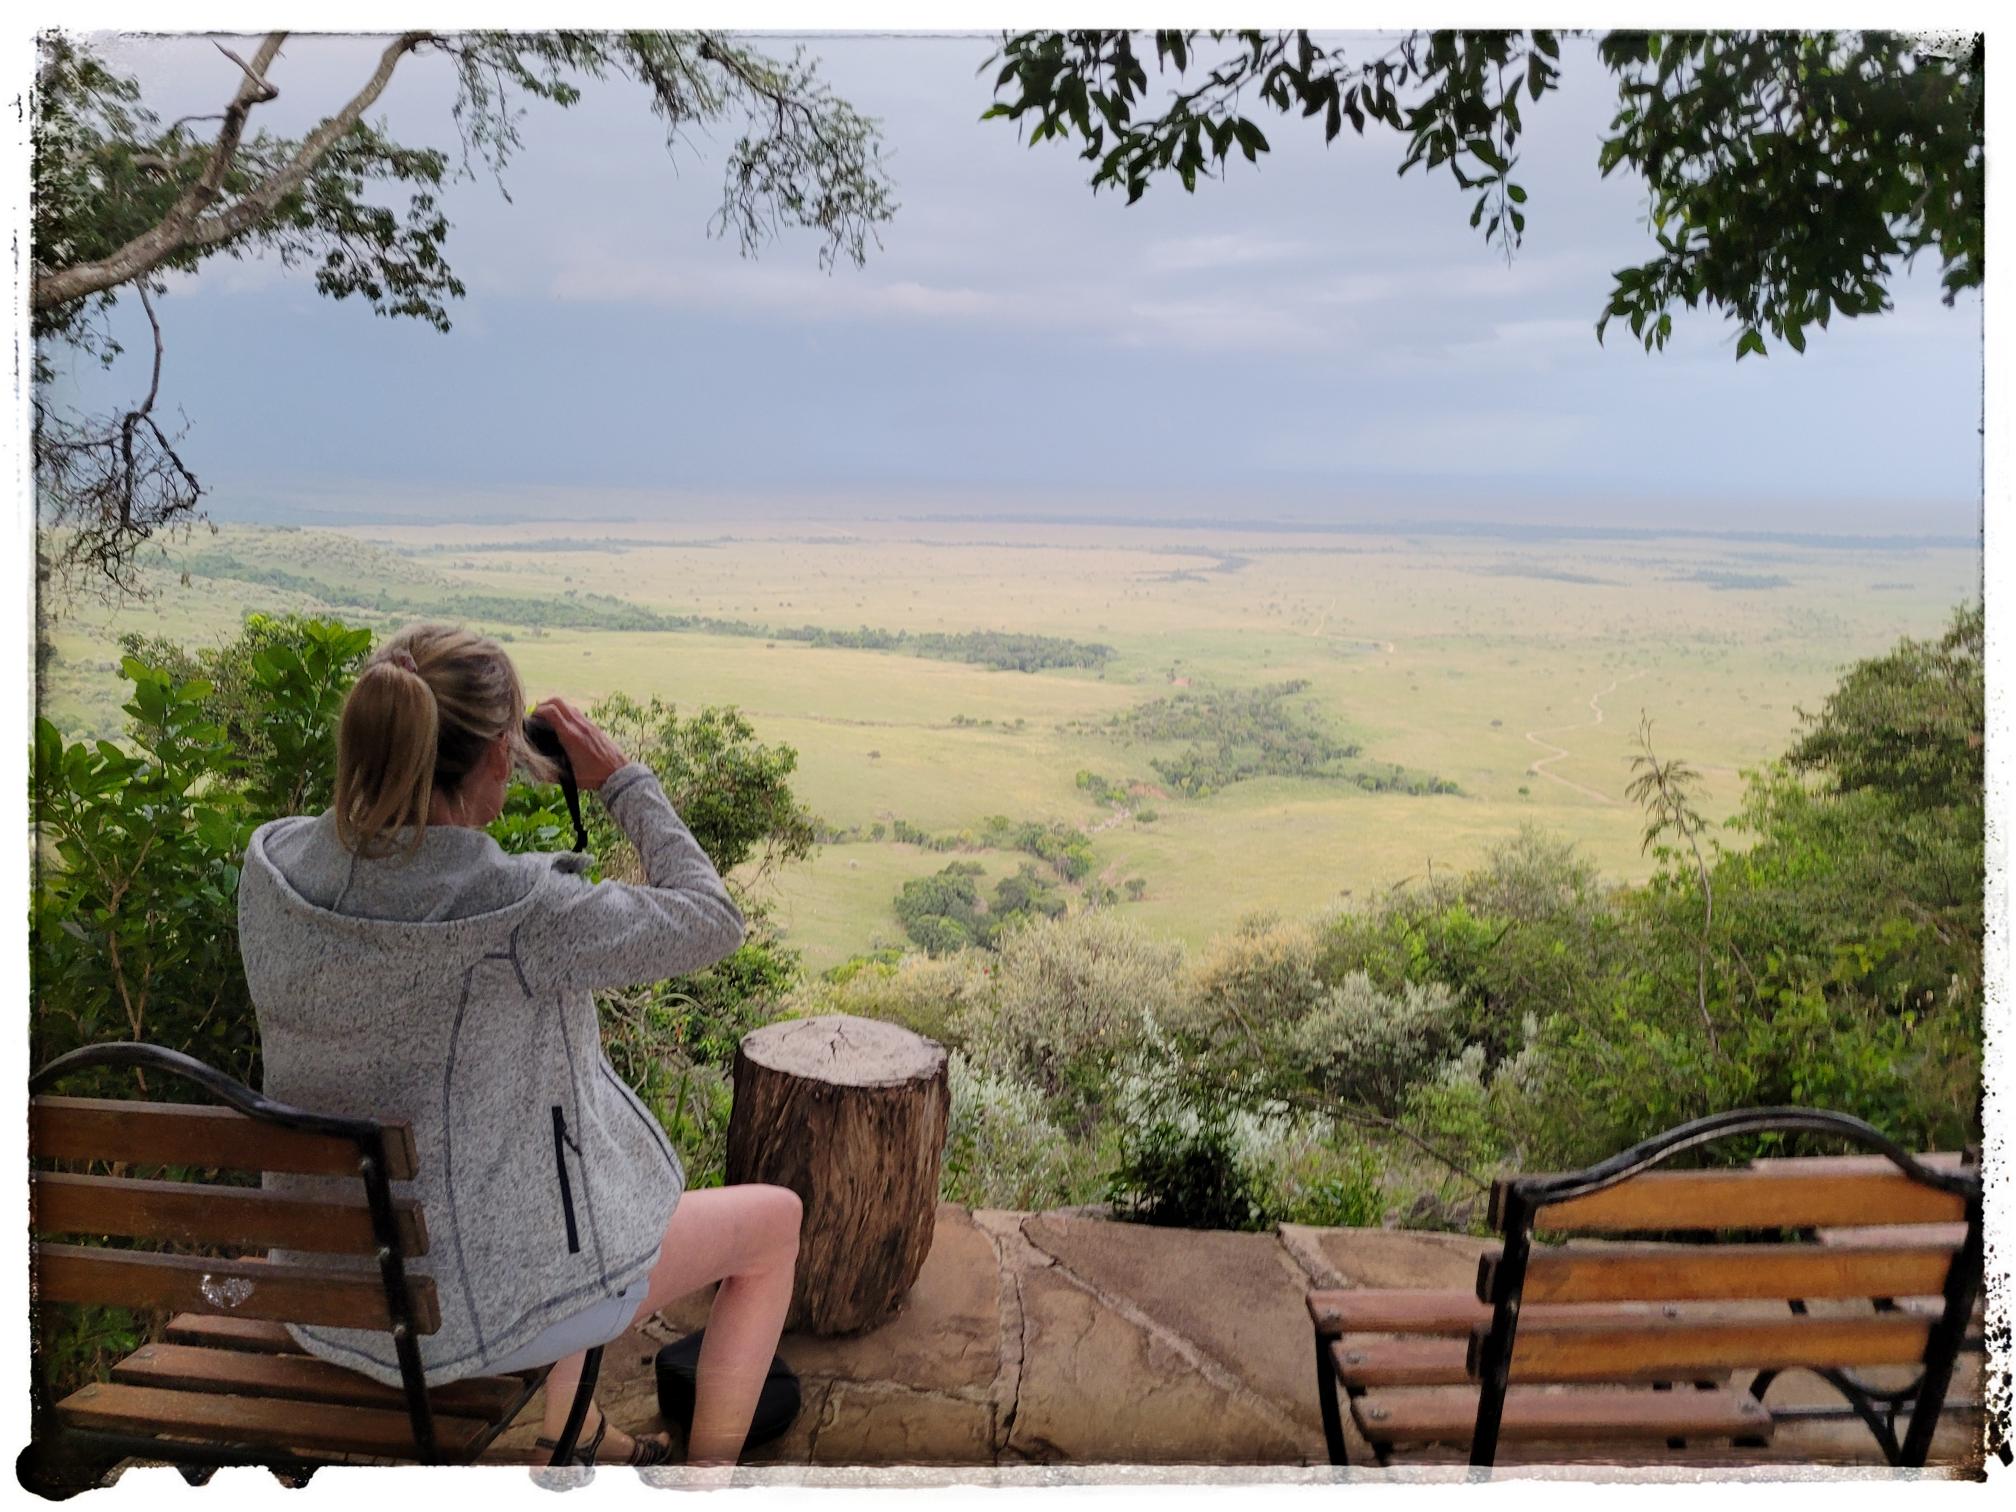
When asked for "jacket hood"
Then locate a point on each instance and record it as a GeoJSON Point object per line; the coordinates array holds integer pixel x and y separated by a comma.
{"type": "Point", "coordinates": [457, 879]}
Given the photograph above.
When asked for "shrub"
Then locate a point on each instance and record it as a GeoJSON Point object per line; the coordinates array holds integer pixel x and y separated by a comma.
{"type": "Point", "coordinates": [1003, 1151]}
{"type": "Point", "coordinates": [1263, 975]}
{"type": "Point", "coordinates": [1349, 1194]}
{"type": "Point", "coordinates": [733, 791]}
{"type": "Point", "coordinates": [941, 999]}
{"type": "Point", "coordinates": [1180, 1176]}
{"type": "Point", "coordinates": [1365, 1046]}
{"type": "Point", "coordinates": [1077, 998]}
{"type": "Point", "coordinates": [133, 921]}
{"type": "Point", "coordinates": [275, 691]}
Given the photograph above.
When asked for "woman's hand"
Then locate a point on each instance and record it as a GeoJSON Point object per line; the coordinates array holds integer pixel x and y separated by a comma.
{"type": "Point", "coordinates": [589, 749]}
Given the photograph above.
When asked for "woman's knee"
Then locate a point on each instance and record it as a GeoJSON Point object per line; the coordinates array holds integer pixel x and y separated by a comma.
{"type": "Point", "coordinates": [784, 1216]}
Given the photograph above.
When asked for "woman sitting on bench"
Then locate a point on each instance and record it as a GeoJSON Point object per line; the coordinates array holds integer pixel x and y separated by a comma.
{"type": "Point", "coordinates": [405, 967]}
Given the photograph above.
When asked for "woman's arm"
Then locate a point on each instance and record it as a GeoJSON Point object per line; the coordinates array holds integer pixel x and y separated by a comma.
{"type": "Point", "coordinates": [617, 934]}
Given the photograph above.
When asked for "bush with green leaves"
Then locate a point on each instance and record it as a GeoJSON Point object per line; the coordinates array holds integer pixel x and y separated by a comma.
{"type": "Point", "coordinates": [1180, 1175]}
{"type": "Point", "coordinates": [1077, 1000]}
{"type": "Point", "coordinates": [733, 791]}
{"type": "Point", "coordinates": [133, 914]}
{"type": "Point", "coordinates": [1263, 975]}
{"type": "Point", "coordinates": [944, 912]}
{"type": "Point", "coordinates": [1342, 1188]}
{"type": "Point", "coordinates": [277, 691]}
{"type": "Point", "coordinates": [1367, 1047]}
{"type": "Point", "coordinates": [943, 999]}
{"type": "Point", "coordinates": [1003, 1151]}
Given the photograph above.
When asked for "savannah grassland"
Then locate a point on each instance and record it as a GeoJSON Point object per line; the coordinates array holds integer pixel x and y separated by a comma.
{"type": "Point", "coordinates": [1469, 657]}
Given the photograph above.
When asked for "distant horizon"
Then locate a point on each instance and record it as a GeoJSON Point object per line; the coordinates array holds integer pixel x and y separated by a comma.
{"type": "Point", "coordinates": [1345, 519]}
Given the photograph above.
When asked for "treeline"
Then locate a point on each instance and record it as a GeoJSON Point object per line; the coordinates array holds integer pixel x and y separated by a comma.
{"type": "Point", "coordinates": [571, 611]}
{"type": "Point", "coordinates": [1065, 847]}
{"type": "Point", "coordinates": [944, 913]}
{"type": "Point", "coordinates": [1116, 795]}
{"type": "Point", "coordinates": [1003, 650]}
{"type": "Point", "coordinates": [1241, 733]}
{"type": "Point", "coordinates": [1102, 789]}
{"type": "Point", "coordinates": [606, 545]}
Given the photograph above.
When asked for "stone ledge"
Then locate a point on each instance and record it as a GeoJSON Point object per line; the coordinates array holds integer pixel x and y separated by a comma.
{"type": "Point", "coordinates": [1067, 1341]}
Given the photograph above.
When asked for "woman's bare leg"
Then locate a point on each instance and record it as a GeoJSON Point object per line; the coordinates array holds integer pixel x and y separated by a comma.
{"type": "Point", "coordinates": [746, 1238]}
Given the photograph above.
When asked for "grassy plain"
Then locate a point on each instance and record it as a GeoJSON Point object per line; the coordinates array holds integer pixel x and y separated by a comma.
{"type": "Point", "coordinates": [1470, 657]}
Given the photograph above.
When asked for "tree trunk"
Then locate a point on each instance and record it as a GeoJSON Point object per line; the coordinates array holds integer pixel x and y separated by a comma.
{"type": "Point", "coordinates": [851, 1114]}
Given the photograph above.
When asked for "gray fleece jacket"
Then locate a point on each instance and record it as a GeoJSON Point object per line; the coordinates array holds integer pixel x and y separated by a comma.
{"type": "Point", "coordinates": [451, 990]}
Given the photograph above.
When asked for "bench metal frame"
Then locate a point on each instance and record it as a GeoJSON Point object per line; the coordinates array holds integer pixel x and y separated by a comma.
{"type": "Point", "coordinates": [55, 1444]}
{"type": "Point", "coordinates": [1519, 1201]}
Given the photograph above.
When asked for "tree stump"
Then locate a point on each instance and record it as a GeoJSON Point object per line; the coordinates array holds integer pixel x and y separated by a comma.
{"type": "Point", "coordinates": [851, 1114]}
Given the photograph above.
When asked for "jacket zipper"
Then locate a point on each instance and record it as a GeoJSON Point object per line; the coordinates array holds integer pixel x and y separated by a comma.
{"type": "Point", "coordinates": [560, 1143]}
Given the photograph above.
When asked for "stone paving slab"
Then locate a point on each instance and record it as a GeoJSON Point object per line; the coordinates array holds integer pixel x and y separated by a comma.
{"type": "Point", "coordinates": [1236, 1298]}
{"type": "Point", "coordinates": [1097, 1386]}
{"type": "Point", "coordinates": [1386, 1257]}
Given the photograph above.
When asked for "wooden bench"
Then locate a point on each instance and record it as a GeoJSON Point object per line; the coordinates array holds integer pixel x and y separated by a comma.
{"type": "Point", "coordinates": [224, 1383]}
{"type": "Point", "coordinates": [1631, 1349]}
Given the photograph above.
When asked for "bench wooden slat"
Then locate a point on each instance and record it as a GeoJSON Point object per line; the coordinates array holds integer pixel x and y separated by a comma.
{"type": "Point", "coordinates": [1895, 1236]}
{"type": "Point", "coordinates": [1379, 1311]}
{"type": "Point", "coordinates": [1425, 1361]}
{"type": "Point", "coordinates": [190, 1213]}
{"type": "Point", "coordinates": [1445, 1417]}
{"type": "Point", "coordinates": [1726, 1272]}
{"type": "Point", "coordinates": [181, 1367]}
{"type": "Point", "coordinates": [1544, 1350]}
{"type": "Point", "coordinates": [1938, 1160]}
{"type": "Point", "coordinates": [138, 1133]}
{"type": "Point", "coordinates": [265, 1421]}
{"type": "Point", "coordinates": [1788, 1197]}
{"type": "Point", "coordinates": [176, 1283]}
{"type": "Point", "coordinates": [216, 1331]}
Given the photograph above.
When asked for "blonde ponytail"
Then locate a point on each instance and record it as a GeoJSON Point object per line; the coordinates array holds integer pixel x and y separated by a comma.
{"type": "Point", "coordinates": [421, 715]}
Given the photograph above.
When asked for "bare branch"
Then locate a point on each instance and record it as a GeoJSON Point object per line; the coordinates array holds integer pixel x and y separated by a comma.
{"type": "Point", "coordinates": [257, 76]}
{"type": "Point", "coordinates": [104, 495]}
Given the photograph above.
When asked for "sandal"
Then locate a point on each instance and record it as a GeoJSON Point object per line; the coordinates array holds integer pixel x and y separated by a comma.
{"type": "Point", "coordinates": [644, 1452]}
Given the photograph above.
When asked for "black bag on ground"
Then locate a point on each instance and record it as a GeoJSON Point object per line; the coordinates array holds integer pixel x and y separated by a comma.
{"type": "Point", "coordinates": [679, 1362]}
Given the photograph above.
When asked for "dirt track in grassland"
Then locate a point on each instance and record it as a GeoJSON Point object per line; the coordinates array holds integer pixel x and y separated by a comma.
{"type": "Point", "coordinates": [1539, 768]}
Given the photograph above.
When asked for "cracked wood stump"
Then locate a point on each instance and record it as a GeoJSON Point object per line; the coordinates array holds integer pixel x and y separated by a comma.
{"type": "Point", "coordinates": [851, 1114]}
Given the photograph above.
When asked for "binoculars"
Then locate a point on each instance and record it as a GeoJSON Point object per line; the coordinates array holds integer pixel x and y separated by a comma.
{"type": "Point", "coordinates": [544, 739]}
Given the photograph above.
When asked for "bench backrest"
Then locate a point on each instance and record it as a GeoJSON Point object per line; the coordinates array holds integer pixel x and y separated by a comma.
{"type": "Point", "coordinates": [232, 1226]}
{"type": "Point", "coordinates": [1887, 1226]}
{"type": "Point", "coordinates": [199, 1246]}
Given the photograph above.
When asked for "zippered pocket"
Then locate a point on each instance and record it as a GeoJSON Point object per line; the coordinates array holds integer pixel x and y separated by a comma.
{"type": "Point", "coordinates": [560, 1145]}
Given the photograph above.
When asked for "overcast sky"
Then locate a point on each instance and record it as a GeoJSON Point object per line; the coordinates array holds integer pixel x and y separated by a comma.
{"type": "Point", "coordinates": [1312, 335]}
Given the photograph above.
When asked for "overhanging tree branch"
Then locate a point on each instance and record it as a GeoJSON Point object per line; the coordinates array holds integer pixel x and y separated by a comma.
{"type": "Point", "coordinates": [187, 226]}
